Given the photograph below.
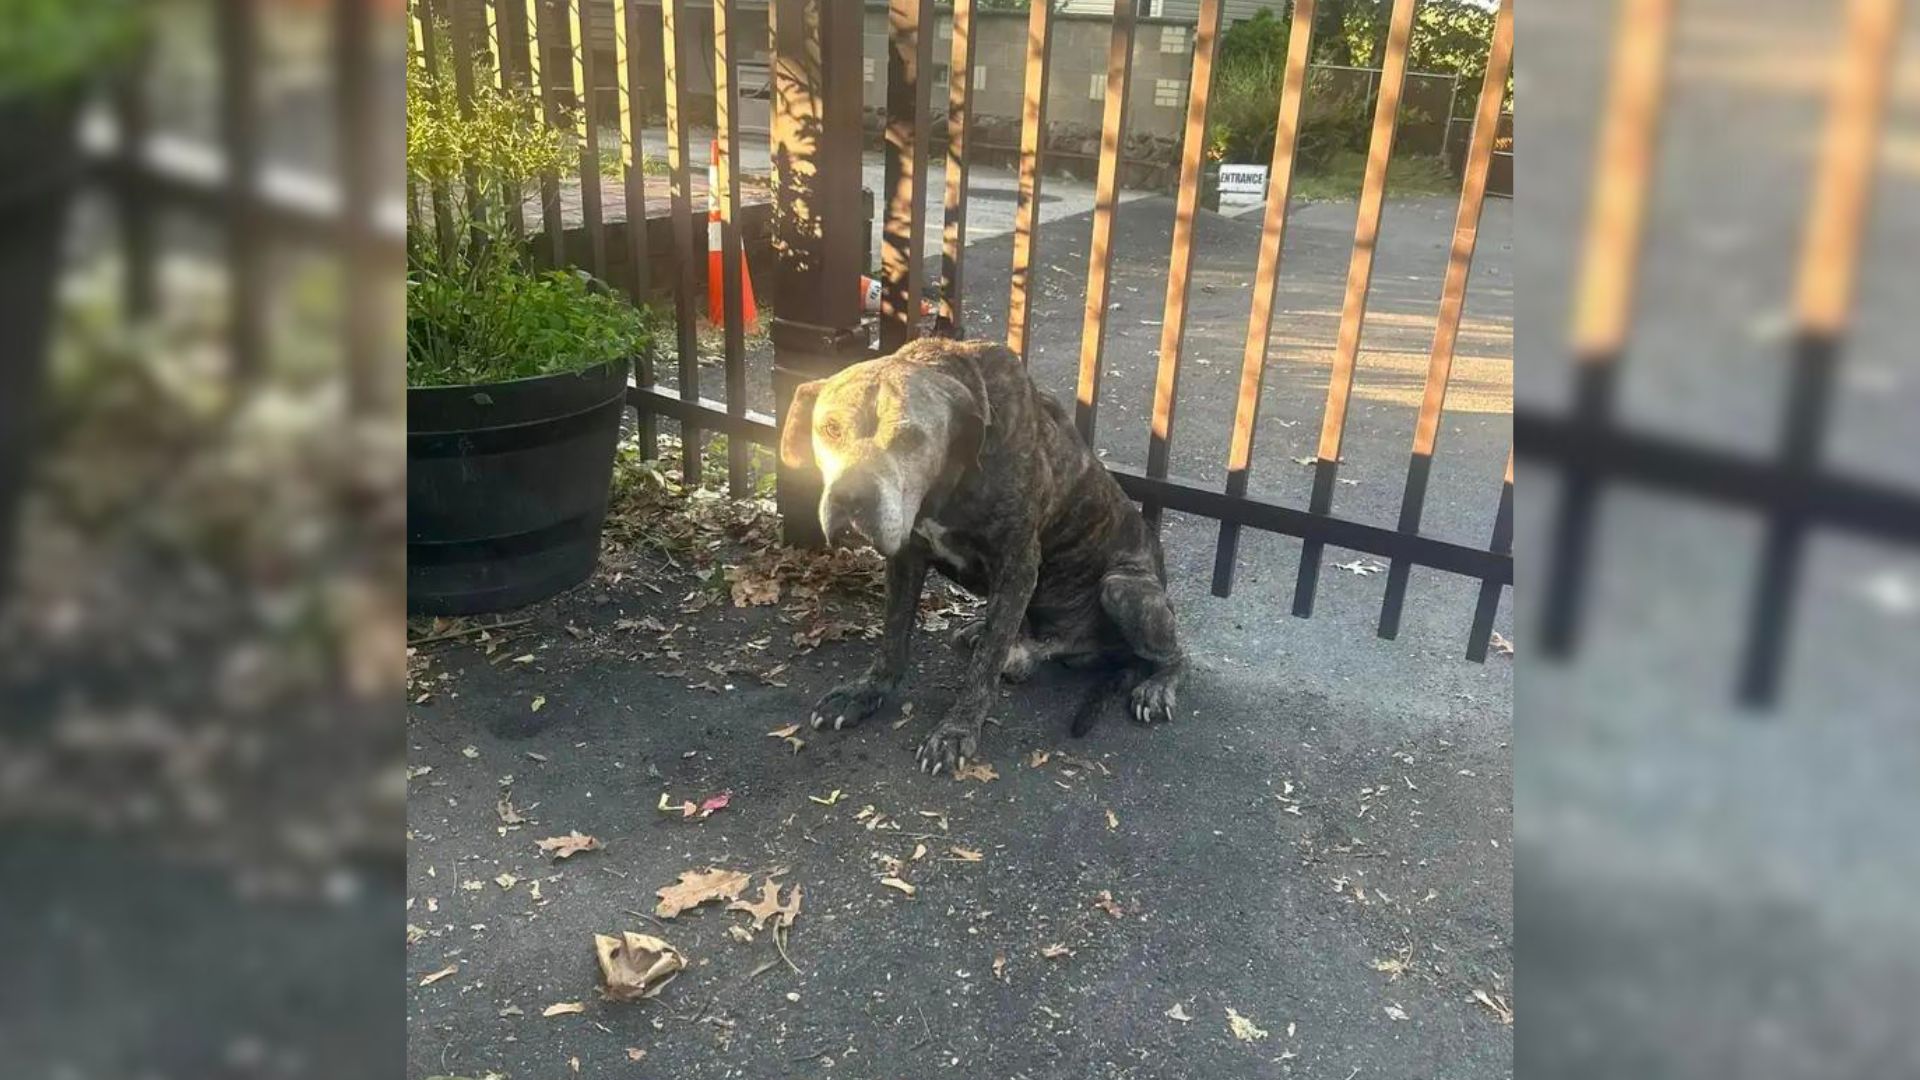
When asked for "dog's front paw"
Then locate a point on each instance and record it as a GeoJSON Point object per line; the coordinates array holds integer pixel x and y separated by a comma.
{"type": "Point", "coordinates": [950, 747]}
{"type": "Point", "coordinates": [1153, 701]}
{"type": "Point", "coordinates": [848, 704]}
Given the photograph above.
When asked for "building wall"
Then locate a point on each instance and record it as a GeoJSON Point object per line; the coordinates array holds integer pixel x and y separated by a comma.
{"type": "Point", "coordinates": [1231, 11]}
{"type": "Point", "coordinates": [1162, 64]}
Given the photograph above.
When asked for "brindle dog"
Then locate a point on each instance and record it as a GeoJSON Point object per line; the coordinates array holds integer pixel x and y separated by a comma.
{"type": "Point", "coordinates": [947, 454]}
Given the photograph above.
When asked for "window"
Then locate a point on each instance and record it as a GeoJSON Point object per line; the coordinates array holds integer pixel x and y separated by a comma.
{"type": "Point", "coordinates": [1173, 39]}
{"type": "Point", "coordinates": [1169, 93]}
{"type": "Point", "coordinates": [866, 68]}
{"type": "Point", "coordinates": [1153, 9]}
{"type": "Point", "coordinates": [1097, 88]}
{"type": "Point", "coordinates": [980, 76]}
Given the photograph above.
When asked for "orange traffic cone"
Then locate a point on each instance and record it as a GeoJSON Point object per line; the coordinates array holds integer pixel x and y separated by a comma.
{"type": "Point", "coordinates": [716, 284]}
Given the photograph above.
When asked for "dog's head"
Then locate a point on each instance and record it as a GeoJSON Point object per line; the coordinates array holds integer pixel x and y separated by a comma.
{"type": "Point", "coordinates": [884, 433]}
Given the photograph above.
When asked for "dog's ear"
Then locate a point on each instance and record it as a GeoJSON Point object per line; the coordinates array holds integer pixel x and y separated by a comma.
{"type": "Point", "coordinates": [972, 415]}
{"type": "Point", "coordinates": [796, 434]}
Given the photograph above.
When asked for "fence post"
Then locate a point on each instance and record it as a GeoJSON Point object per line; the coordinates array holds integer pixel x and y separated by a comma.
{"type": "Point", "coordinates": [819, 234]}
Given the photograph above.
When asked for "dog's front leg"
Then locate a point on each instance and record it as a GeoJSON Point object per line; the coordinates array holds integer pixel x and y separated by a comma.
{"type": "Point", "coordinates": [957, 737]}
{"type": "Point", "coordinates": [852, 702]}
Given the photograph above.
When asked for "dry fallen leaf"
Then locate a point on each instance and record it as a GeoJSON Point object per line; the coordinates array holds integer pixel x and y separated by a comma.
{"type": "Point", "coordinates": [509, 814]}
{"type": "Point", "coordinates": [1056, 951]}
{"type": "Point", "coordinates": [697, 887]}
{"type": "Point", "coordinates": [1359, 567]}
{"type": "Point", "coordinates": [1038, 758]}
{"type": "Point", "coordinates": [438, 975]}
{"type": "Point", "coordinates": [785, 732]}
{"type": "Point", "coordinates": [976, 770]}
{"type": "Point", "coordinates": [1105, 903]}
{"type": "Point", "coordinates": [1500, 644]}
{"type": "Point", "coordinates": [919, 852]}
{"type": "Point", "coordinates": [770, 907]}
{"type": "Point", "coordinates": [561, 847]}
{"type": "Point", "coordinates": [634, 1053]}
{"type": "Point", "coordinates": [506, 880]}
{"type": "Point", "coordinates": [1243, 1027]}
{"type": "Point", "coordinates": [896, 883]}
{"type": "Point", "coordinates": [1396, 1012]}
{"type": "Point", "coordinates": [470, 751]}
{"type": "Point", "coordinates": [1113, 821]}
{"type": "Point", "coordinates": [829, 800]}
{"type": "Point", "coordinates": [1179, 1012]}
{"type": "Point", "coordinates": [966, 854]}
{"type": "Point", "coordinates": [999, 965]}
{"type": "Point", "coordinates": [562, 1008]}
{"type": "Point", "coordinates": [635, 966]}
{"type": "Point", "coordinates": [1497, 1004]}
{"type": "Point", "coordinates": [539, 702]}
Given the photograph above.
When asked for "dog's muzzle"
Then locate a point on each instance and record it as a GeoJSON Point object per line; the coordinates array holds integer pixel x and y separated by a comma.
{"type": "Point", "coordinates": [847, 513]}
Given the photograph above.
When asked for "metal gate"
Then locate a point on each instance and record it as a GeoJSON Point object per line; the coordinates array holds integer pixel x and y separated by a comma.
{"type": "Point", "coordinates": [819, 326]}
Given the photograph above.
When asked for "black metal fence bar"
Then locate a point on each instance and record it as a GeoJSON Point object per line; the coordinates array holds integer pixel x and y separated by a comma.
{"type": "Point", "coordinates": [726, 176]}
{"type": "Point", "coordinates": [1266, 284]}
{"type": "Point", "coordinates": [953, 252]}
{"type": "Point", "coordinates": [909, 85]}
{"type": "Point", "coordinates": [133, 206]}
{"type": "Point", "coordinates": [539, 35]}
{"type": "Point", "coordinates": [584, 78]}
{"type": "Point", "coordinates": [1453, 302]}
{"type": "Point", "coordinates": [1603, 311]}
{"type": "Point", "coordinates": [1113, 136]}
{"type": "Point", "coordinates": [1033, 141]}
{"type": "Point", "coordinates": [1353, 308]}
{"type": "Point", "coordinates": [426, 46]}
{"type": "Point", "coordinates": [627, 68]}
{"type": "Point", "coordinates": [1488, 605]}
{"type": "Point", "coordinates": [677, 43]}
{"type": "Point", "coordinates": [1188, 497]}
{"type": "Point", "coordinates": [1173, 325]}
{"type": "Point", "coordinates": [239, 30]}
{"type": "Point", "coordinates": [503, 29]}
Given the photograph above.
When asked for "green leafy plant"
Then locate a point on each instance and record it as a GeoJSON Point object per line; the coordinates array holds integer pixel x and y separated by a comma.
{"type": "Point", "coordinates": [53, 45]}
{"type": "Point", "coordinates": [488, 318]}
{"type": "Point", "coordinates": [477, 310]}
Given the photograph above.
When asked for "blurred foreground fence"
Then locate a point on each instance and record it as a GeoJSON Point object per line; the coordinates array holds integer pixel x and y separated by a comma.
{"type": "Point", "coordinates": [1793, 491]}
{"type": "Point", "coordinates": [259, 204]}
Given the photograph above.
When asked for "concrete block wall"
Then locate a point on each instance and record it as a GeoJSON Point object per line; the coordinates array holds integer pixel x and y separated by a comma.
{"type": "Point", "coordinates": [1157, 98]}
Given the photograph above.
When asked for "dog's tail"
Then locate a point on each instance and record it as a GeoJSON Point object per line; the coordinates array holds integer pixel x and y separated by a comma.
{"type": "Point", "coordinates": [1116, 682]}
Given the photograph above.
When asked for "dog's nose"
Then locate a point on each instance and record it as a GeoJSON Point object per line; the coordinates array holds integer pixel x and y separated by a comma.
{"type": "Point", "coordinates": [845, 521]}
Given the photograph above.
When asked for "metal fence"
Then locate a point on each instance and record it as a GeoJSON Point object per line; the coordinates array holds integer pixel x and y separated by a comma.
{"type": "Point", "coordinates": [819, 326]}
{"type": "Point", "coordinates": [1794, 492]}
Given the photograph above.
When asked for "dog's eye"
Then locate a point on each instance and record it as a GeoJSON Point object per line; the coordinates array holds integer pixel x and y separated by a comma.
{"type": "Point", "coordinates": [831, 429]}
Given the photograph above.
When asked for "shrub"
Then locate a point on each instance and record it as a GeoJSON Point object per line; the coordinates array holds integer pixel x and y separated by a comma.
{"type": "Point", "coordinates": [477, 311]}
{"type": "Point", "coordinates": [55, 44]}
{"type": "Point", "coordinates": [490, 319]}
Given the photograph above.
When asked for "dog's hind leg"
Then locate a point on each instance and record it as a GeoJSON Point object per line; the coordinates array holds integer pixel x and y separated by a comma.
{"type": "Point", "coordinates": [1024, 657]}
{"type": "Point", "coordinates": [1137, 603]}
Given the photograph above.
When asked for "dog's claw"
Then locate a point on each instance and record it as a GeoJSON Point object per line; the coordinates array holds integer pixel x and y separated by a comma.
{"type": "Point", "coordinates": [848, 704]}
{"type": "Point", "coordinates": [1153, 702]}
{"type": "Point", "coordinates": [950, 747]}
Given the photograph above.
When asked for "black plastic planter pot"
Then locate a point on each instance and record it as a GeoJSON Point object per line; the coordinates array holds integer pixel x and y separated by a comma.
{"type": "Point", "coordinates": [507, 488]}
{"type": "Point", "coordinates": [39, 167]}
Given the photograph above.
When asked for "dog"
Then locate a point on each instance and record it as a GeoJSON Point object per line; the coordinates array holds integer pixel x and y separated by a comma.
{"type": "Point", "coordinates": [946, 455]}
